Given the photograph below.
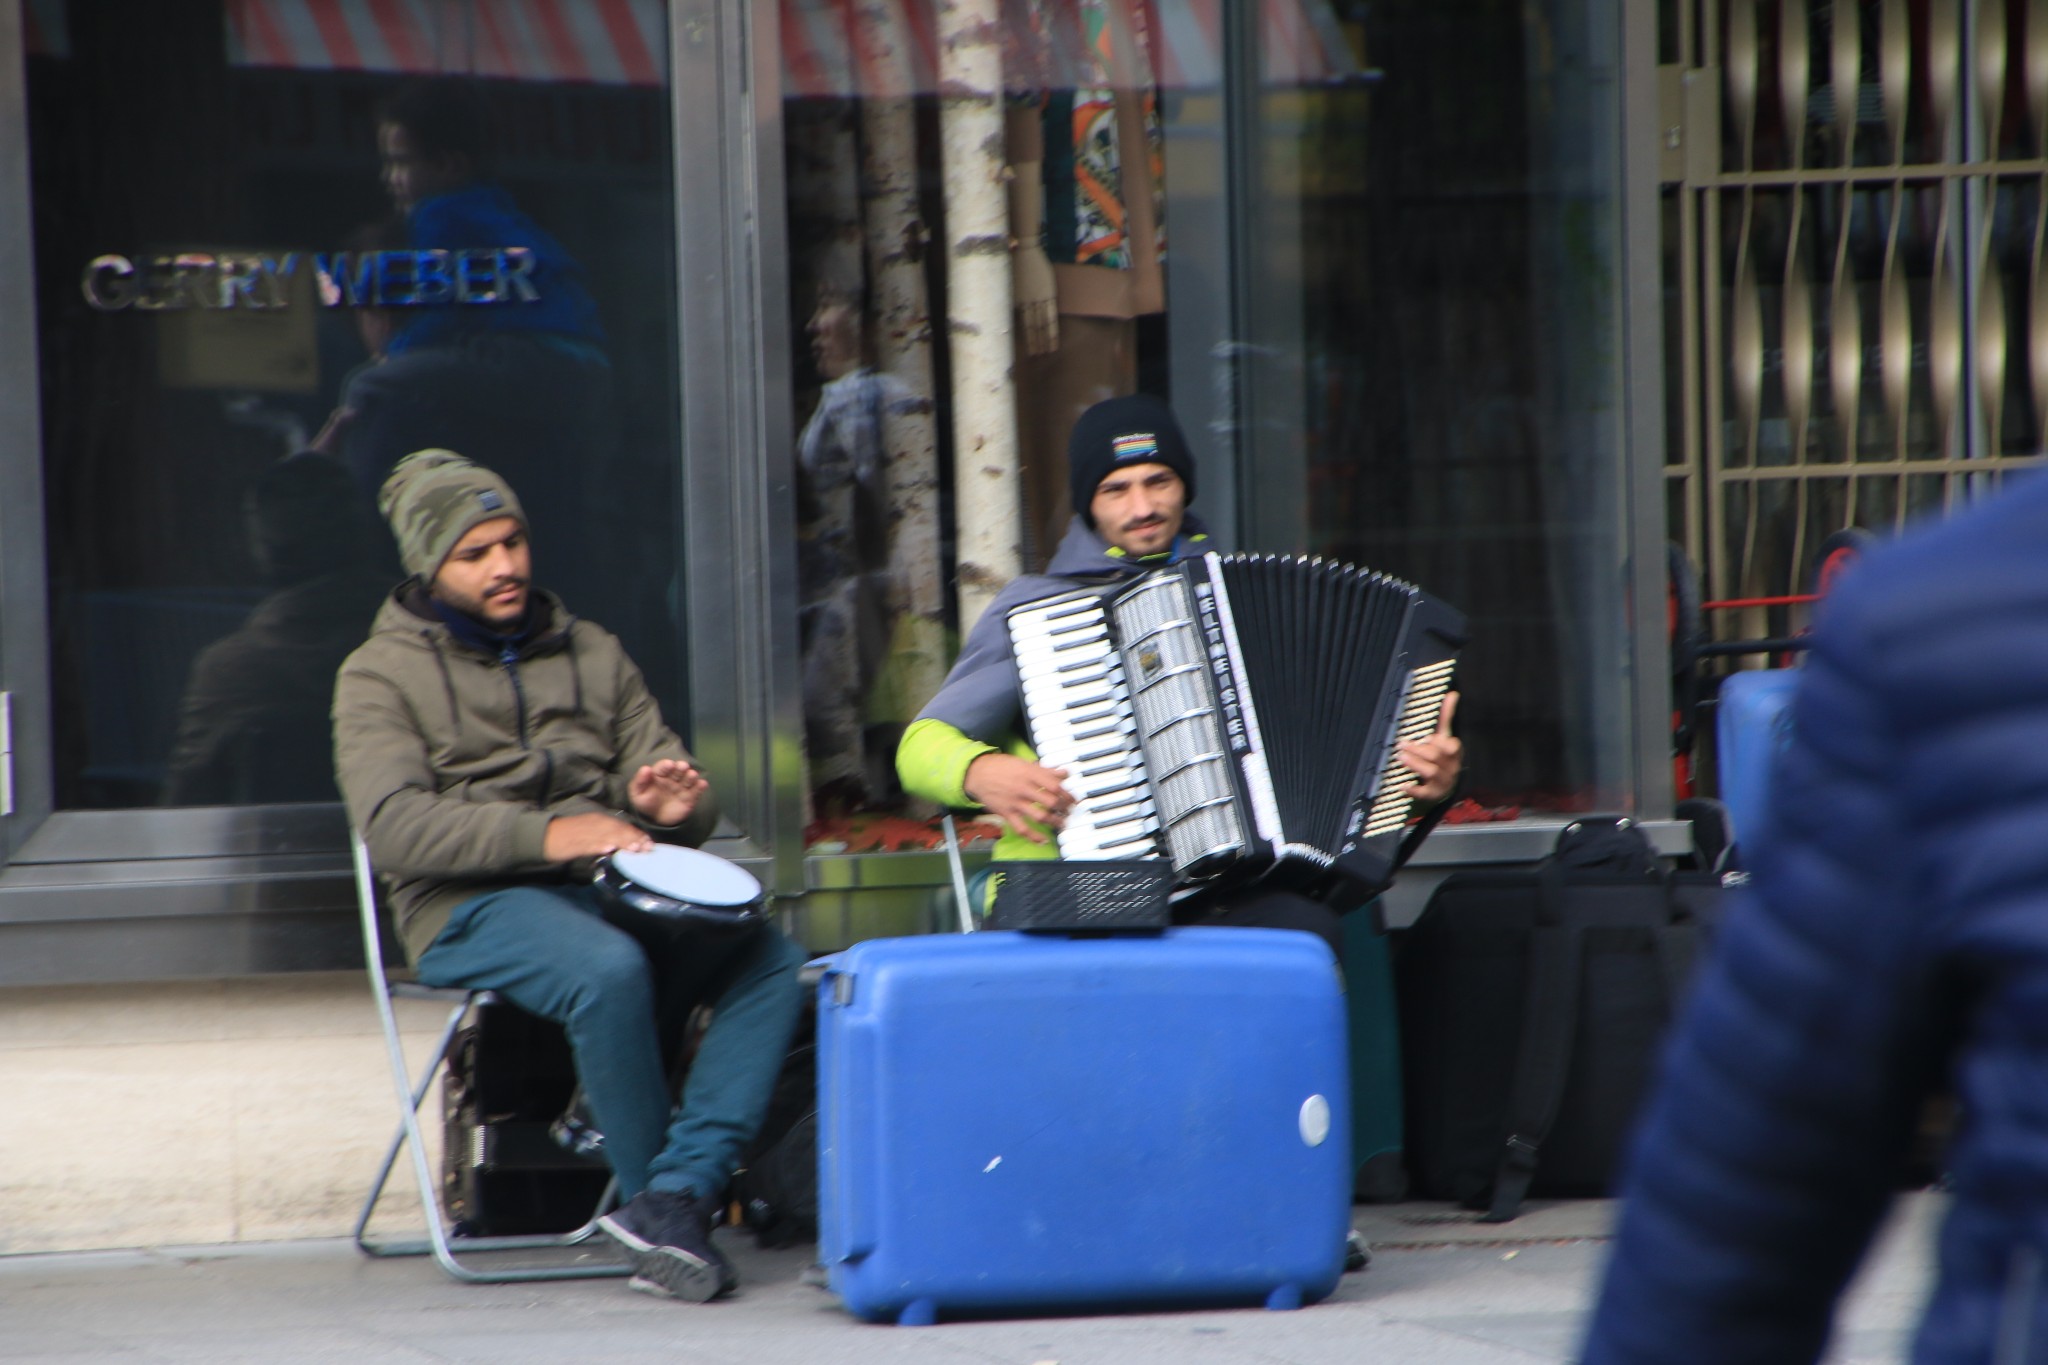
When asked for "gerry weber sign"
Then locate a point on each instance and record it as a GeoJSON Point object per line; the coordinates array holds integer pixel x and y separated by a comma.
{"type": "Point", "coordinates": [366, 279]}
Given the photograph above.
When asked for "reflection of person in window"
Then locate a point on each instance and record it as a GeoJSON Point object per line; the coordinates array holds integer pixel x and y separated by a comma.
{"type": "Point", "coordinates": [843, 562]}
{"type": "Point", "coordinates": [525, 378]}
{"type": "Point", "coordinates": [375, 326]}
{"type": "Point", "coordinates": [252, 724]}
{"type": "Point", "coordinates": [434, 139]}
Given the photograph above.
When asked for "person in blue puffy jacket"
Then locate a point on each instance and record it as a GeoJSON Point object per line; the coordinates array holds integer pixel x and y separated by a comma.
{"type": "Point", "coordinates": [1894, 939]}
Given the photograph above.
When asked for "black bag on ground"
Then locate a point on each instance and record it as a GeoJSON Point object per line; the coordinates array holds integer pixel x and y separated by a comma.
{"type": "Point", "coordinates": [776, 1187]}
{"type": "Point", "coordinates": [1534, 1004]}
{"type": "Point", "coordinates": [509, 1076]}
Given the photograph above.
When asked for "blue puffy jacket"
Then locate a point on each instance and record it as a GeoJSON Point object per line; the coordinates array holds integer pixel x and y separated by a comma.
{"type": "Point", "coordinates": [1895, 934]}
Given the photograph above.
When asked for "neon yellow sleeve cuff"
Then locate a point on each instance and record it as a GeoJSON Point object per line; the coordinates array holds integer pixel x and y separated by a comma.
{"type": "Point", "coordinates": [932, 762]}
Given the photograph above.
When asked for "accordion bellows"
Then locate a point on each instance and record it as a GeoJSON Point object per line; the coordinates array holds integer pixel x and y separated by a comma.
{"type": "Point", "coordinates": [1238, 714]}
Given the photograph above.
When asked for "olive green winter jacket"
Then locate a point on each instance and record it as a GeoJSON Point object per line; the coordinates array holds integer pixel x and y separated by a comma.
{"type": "Point", "coordinates": [452, 760]}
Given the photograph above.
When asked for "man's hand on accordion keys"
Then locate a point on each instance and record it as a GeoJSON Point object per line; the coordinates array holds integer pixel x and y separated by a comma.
{"type": "Point", "coordinates": [1435, 761]}
{"type": "Point", "coordinates": [1027, 798]}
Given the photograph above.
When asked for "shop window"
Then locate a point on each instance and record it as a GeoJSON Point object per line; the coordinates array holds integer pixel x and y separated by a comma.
{"type": "Point", "coordinates": [1444, 314]}
{"type": "Point", "coordinates": [279, 245]}
{"type": "Point", "coordinates": [1374, 270]}
{"type": "Point", "coordinates": [891, 339]}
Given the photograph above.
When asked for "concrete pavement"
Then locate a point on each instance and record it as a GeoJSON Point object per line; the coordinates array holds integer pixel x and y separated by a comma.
{"type": "Point", "coordinates": [1441, 1289]}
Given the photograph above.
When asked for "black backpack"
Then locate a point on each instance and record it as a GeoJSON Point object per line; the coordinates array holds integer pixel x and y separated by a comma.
{"type": "Point", "coordinates": [1533, 1007]}
{"type": "Point", "coordinates": [776, 1186]}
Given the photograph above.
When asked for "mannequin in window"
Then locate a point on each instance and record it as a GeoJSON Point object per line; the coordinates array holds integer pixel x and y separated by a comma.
{"type": "Point", "coordinates": [1086, 210]}
{"type": "Point", "coordinates": [253, 726]}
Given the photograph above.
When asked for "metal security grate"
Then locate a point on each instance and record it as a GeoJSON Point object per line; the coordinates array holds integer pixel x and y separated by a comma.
{"type": "Point", "coordinates": [1860, 283]}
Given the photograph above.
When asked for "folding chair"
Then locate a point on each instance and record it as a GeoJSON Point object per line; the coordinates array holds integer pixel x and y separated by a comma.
{"type": "Point", "coordinates": [444, 1245]}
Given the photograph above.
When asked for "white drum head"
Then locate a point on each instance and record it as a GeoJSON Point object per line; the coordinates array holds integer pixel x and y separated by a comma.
{"type": "Point", "coordinates": [689, 874]}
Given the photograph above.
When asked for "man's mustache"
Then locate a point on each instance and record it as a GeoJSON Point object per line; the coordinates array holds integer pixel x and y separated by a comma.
{"type": "Point", "coordinates": [1142, 522]}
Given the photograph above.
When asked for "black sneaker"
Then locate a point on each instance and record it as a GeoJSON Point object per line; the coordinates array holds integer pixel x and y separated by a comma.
{"type": "Point", "coordinates": [670, 1236]}
{"type": "Point", "coordinates": [1357, 1255]}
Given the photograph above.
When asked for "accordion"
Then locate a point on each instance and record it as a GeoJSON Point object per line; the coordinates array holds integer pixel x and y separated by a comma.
{"type": "Point", "coordinates": [1238, 715]}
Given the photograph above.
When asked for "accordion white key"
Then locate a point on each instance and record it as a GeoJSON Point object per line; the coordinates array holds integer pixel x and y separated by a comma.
{"type": "Point", "coordinates": [1238, 715]}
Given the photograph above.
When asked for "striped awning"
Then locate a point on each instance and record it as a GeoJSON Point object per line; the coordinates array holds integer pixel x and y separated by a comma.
{"type": "Point", "coordinates": [827, 50]}
{"type": "Point", "coordinates": [830, 48]}
{"type": "Point", "coordinates": [604, 42]}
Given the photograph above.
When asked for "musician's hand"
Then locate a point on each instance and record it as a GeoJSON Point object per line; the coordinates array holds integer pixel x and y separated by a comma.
{"type": "Point", "coordinates": [1027, 798]}
{"type": "Point", "coordinates": [571, 838]}
{"type": "Point", "coordinates": [1437, 760]}
{"type": "Point", "coordinates": [666, 791]}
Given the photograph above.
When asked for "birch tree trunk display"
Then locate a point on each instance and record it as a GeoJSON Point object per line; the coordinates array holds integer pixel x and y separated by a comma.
{"type": "Point", "coordinates": [987, 514]}
{"type": "Point", "coordinates": [896, 236]}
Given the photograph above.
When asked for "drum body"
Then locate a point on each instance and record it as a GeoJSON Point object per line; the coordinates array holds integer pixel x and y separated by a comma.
{"type": "Point", "coordinates": [668, 889]}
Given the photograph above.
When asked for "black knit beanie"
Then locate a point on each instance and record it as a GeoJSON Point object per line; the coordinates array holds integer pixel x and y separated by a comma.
{"type": "Point", "coordinates": [1138, 429]}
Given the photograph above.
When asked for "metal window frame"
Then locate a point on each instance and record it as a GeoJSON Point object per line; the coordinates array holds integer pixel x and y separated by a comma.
{"type": "Point", "coordinates": [1639, 305]}
{"type": "Point", "coordinates": [24, 624]}
{"type": "Point", "coordinates": [739, 513]}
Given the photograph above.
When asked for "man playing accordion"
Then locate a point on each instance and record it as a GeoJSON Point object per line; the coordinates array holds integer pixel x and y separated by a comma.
{"type": "Point", "coordinates": [1133, 478]}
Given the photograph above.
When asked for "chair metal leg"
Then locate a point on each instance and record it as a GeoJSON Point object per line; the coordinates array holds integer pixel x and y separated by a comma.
{"type": "Point", "coordinates": [413, 1247]}
{"type": "Point", "coordinates": [445, 1247]}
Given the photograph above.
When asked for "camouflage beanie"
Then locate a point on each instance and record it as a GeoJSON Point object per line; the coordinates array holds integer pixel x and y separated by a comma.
{"type": "Point", "coordinates": [433, 498]}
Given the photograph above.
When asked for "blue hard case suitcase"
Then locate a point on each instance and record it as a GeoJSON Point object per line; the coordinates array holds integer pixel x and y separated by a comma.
{"type": "Point", "coordinates": [1751, 727]}
{"type": "Point", "coordinates": [1022, 1122]}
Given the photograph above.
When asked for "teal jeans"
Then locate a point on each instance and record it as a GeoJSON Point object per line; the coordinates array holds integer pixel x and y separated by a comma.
{"type": "Point", "coordinates": [550, 951]}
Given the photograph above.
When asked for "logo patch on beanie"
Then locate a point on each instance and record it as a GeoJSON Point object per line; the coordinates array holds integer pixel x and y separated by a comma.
{"type": "Point", "coordinates": [490, 499]}
{"type": "Point", "coordinates": [1139, 445]}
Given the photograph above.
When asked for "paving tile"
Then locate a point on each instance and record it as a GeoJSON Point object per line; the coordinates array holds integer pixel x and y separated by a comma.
{"type": "Point", "coordinates": [60, 1345]}
{"type": "Point", "coordinates": [1553, 1335]}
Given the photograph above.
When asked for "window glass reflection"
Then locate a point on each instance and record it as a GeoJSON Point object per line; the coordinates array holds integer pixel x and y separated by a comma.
{"type": "Point", "coordinates": [1388, 314]}
{"type": "Point", "coordinates": [1441, 304]}
{"type": "Point", "coordinates": [280, 244]}
{"type": "Point", "coordinates": [1082, 135]}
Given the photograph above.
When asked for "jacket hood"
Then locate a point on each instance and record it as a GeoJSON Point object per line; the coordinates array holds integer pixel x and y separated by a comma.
{"type": "Point", "coordinates": [407, 611]}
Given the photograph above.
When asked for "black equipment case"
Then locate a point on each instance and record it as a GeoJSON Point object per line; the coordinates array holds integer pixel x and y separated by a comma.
{"type": "Point", "coordinates": [509, 1076]}
{"type": "Point", "coordinates": [1534, 1004]}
